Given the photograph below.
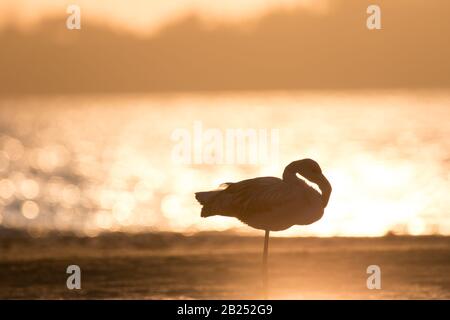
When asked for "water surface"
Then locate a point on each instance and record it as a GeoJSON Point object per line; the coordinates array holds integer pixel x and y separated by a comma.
{"type": "Point", "coordinates": [105, 163]}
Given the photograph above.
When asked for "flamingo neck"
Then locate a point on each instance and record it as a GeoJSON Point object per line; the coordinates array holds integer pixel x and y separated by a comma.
{"type": "Point", "coordinates": [325, 188]}
{"type": "Point", "coordinates": [290, 176]}
{"type": "Point", "coordinates": [290, 173]}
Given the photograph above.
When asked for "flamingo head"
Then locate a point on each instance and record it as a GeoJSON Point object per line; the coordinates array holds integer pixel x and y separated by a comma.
{"type": "Point", "coordinates": [308, 168]}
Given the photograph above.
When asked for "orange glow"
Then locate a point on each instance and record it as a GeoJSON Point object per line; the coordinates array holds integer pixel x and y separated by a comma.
{"type": "Point", "coordinates": [385, 177]}
{"type": "Point", "coordinates": [30, 210]}
{"type": "Point", "coordinates": [145, 16]}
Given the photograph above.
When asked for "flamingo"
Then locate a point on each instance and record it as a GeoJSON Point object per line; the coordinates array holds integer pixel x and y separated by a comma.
{"type": "Point", "coordinates": [270, 203]}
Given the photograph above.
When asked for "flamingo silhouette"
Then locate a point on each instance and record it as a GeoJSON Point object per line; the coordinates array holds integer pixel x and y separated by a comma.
{"type": "Point", "coordinates": [271, 204]}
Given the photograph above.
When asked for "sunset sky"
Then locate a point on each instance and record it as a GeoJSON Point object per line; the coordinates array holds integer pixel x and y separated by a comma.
{"type": "Point", "coordinates": [146, 15]}
{"type": "Point", "coordinates": [376, 120]}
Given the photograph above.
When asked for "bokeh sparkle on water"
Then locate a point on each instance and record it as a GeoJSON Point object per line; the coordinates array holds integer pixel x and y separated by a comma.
{"type": "Point", "coordinates": [91, 164]}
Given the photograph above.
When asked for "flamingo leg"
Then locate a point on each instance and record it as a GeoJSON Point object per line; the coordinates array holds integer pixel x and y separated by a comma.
{"type": "Point", "coordinates": [265, 269]}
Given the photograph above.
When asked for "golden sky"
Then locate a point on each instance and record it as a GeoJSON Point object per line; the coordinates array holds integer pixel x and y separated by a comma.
{"type": "Point", "coordinates": [399, 168]}
{"type": "Point", "coordinates": [145, 15]}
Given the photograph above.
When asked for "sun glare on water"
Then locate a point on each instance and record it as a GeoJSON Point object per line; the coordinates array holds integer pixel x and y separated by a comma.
{"type": "Point", "coordinates": [89, 176]}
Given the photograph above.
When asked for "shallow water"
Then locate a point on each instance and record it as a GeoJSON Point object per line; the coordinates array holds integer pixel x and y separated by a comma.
{"type": "Point", "coordinates": [107, 163]}
{"type": "Point", "coordinates": [158, 266]}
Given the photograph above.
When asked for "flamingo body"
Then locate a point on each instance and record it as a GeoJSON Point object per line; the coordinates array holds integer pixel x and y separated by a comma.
{"type": "Point", "coordinates": [270, 203]}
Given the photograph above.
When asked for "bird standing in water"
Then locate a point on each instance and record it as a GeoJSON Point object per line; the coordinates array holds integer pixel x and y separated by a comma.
{"type": "Point", "coordinates": [271, 204]}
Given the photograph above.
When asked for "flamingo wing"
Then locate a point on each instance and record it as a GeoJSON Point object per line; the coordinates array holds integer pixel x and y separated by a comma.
{"type": "Point", "coordinates": [256, 196]}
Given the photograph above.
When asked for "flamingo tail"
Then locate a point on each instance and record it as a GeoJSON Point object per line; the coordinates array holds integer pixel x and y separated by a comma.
{"type": "Point", "coordinates": [205, 198]}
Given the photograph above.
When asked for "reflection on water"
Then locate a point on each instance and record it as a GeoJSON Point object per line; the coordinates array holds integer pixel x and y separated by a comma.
{"type": "Point", "coordinates": [89, 164]}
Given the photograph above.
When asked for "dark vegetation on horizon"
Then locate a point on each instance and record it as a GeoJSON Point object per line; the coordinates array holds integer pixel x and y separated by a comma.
{"type": "Point", "coordinates": [12, 233]}
{"type": "Point", "coordinates": [284, 50]}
